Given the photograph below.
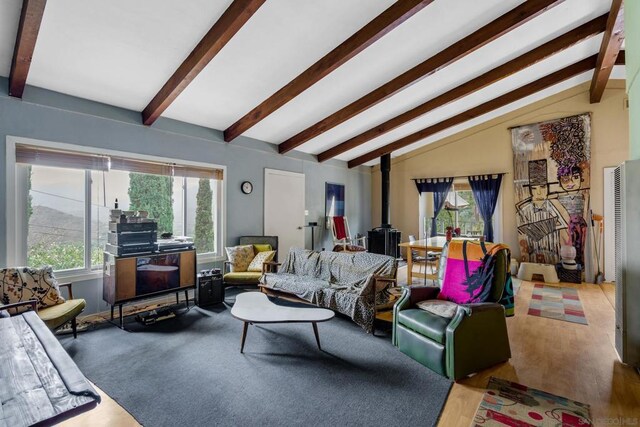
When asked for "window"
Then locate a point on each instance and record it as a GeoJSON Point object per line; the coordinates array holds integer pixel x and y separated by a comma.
{"type": "Point", "coordinates": [183, 206]}
{"type": "Point", "coordinates": [56, 217]}
{"type": "Point", "coordinates": [67, 202]}
{"type": "Point", "coordinates": [460, 211]}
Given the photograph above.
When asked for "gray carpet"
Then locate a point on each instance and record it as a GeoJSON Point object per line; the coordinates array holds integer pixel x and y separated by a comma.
{"type": "Point", "coordinates": [188, 371]}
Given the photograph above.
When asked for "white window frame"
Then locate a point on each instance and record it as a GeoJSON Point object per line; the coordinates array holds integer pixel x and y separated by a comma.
{"type": "Point", "coordinates": [17, 228]}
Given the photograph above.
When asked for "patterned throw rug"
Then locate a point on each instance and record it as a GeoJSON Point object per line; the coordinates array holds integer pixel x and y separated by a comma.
{"type": "Point", "coordinates": [557, 303]}
{"type": "Point", "coordinates": [506, 403]}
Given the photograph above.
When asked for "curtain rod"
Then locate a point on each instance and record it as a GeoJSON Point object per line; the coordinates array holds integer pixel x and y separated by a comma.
{"type": "Point", "coordinates": [463, 176]}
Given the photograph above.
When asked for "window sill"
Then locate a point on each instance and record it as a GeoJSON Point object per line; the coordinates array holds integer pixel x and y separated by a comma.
{"type": "Point", "coordinates": [78, 276]}
{"type": "Point", "coordinates": [207, 258]}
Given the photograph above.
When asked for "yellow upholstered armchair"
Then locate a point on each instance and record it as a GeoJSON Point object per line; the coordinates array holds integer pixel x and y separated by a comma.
{"type": "Point", "coordinates": [22, 284]}
{"type": "Point", "coordinates": [257, 244]}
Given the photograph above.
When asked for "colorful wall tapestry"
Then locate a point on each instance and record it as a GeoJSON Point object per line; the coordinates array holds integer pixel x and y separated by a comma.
{"type": "Point", "coordinates": [551, 177]}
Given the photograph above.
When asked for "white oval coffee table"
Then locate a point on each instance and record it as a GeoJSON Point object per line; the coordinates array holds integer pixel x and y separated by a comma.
{"type": "Point", "coordinates": [255, 307]}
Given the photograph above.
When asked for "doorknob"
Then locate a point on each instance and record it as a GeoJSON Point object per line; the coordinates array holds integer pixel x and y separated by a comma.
{"type": "Point", "coordinates": [299, 228]}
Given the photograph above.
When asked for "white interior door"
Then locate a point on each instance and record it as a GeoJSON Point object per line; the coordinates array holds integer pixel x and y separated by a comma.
{"type": "Point", "coordinates": [284, 209]}
{"type": "Point", "coordinates": [609, 226]}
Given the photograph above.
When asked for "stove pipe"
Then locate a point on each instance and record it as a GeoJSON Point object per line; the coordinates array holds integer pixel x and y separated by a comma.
{"type": "Point", "coordinates": [385, 168]}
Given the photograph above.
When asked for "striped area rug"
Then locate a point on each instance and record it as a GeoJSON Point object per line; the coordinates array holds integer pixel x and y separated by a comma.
{"type": "Point", "coordinates": [557, 303]}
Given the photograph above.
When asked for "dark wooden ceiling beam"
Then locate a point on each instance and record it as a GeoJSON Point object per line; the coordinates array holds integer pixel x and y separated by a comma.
{"type": "Point", "coordinates": [234, 18]}
{"type": "Point", "coordinates": [502, 25]}
{"type": "Point", "coordinates": [591, 28]}
{"type": "Point", "coordinates": [366, 36]}
{"type": "Point", "coordinates": [506, 99]}
{"type": "Point", "coordinates": [30, 20]}
{"type": "Point", "coordinates": [611, 44]}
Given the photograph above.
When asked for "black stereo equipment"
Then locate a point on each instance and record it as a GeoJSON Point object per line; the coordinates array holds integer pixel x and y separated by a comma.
{"type": "Point", "coordinates": [120, 227]}
{"type": "Point", "coordinates": [173, 245]}
{"type": "Point", "coordinates": [209, 290]}
{"type": "Point", "coordinates": [131, 249]}
{"type": "Point", "coordinates": [133, 238]}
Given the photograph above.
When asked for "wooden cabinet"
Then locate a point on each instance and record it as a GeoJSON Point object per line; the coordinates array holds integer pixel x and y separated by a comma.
{"type": "Point", "coordinates": [135, 277]}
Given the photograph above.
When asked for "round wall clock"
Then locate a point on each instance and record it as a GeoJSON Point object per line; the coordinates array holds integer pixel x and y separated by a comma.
{"type": "Point", "coordinates": [247, 187]}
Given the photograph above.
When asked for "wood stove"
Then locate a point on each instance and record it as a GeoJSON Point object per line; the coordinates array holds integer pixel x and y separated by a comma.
{"type": "Point", "coordinates": [385, 239]}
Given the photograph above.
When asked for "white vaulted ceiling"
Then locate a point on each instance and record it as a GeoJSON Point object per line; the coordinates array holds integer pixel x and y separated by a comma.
{"type": "Point", "coordinates": [280, 41]}
{"type": "Point", "coordinates": [121, 52]}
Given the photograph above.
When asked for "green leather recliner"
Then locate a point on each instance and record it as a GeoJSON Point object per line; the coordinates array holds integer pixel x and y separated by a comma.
{"type": "Point", "coordinates": [474, 339]}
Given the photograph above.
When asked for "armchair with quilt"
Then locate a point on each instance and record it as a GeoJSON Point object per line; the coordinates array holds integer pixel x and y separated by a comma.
{"type": "Point", "coordinates": [39, 286]}
{"type": "Point", "coordinates": [458, 339]}
{"type": "Point", "coordinates": [236, 277]}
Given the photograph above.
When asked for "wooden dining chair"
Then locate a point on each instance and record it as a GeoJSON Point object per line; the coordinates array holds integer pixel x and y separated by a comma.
{"type": "Point", "coordinates": [416, 258]}
{"type": "Point", "coordinates": [431, 260]}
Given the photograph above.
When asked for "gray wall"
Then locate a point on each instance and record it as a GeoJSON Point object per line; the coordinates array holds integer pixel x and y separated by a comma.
{"type": "Point", "coordinates": [52, 116]}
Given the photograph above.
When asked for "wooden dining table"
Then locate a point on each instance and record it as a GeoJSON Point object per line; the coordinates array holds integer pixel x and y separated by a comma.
{"type": "Point", "coordinates": [432, 244]}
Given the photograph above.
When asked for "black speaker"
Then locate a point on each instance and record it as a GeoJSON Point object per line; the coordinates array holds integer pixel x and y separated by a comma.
{"type": "Point", "coordinates": [210, 290]}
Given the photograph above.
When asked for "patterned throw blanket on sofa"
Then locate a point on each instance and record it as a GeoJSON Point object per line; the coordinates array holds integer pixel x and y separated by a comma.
{"type": "Point", "coordinates": [340, 281]}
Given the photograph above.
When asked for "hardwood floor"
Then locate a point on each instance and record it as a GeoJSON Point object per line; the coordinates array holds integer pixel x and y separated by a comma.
{"type": "Point", "coordinates": [572, 360]}
{"type": "Point", "coordinates": [568, 359]}
{"type": "Point", "coordinates": [107, 414]}
{"type": "Point", "coordinates": [609, 290]}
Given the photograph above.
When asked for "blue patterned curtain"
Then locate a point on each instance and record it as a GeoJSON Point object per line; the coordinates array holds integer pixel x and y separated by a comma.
{"type": "Point", "coordinates": [485, 190]}
{"type": "Point", "coordinates": [440, 187]}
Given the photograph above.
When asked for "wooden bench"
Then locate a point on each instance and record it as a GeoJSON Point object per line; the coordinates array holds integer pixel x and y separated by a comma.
{"type": "Point", "coordinates": [40, 382]}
